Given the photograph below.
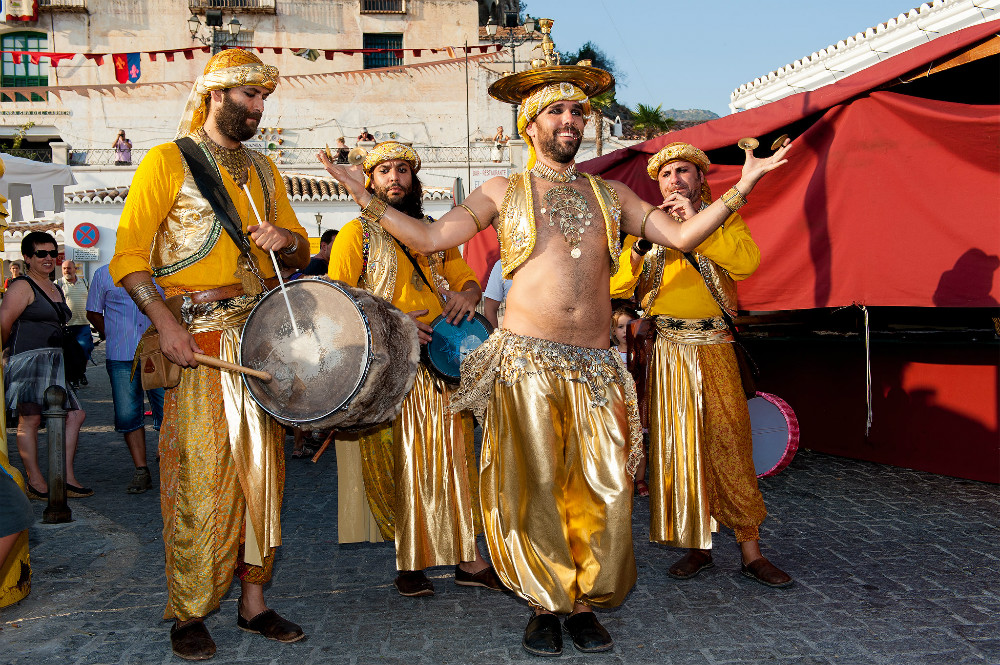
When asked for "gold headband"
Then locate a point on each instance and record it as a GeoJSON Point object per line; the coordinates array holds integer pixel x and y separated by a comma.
{"type": "Point", "coordinates": [675, 152]}
{"type": "Point", "coordinates": [226, 69]}
{"type": "Point", "coordinates": [385, 151]}
{"type": "Point", "coordinates": [538, 100]}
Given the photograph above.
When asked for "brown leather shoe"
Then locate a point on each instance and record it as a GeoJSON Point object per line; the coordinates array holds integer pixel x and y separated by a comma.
{"type": "Point", "coordinates": [691, 564]}
{"type": "Point", "coordinates": [192, 641]}
{"type": "Point", "coordinates": [413, 583]}
{"type": "Point", "coordinates": [763, 571]}
{"type": "Point", "coordinates": [486, 578]}
{"type": "Point", "coordinates": [271, 625]}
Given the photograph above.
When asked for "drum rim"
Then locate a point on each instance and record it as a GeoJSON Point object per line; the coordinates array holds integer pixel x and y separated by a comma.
{"type": "Point", "coordinates": [370, 356]}
{"type": "Point", "coordinates": [425, 354]}
{"type": "Point", "coordinates": [792, 423]}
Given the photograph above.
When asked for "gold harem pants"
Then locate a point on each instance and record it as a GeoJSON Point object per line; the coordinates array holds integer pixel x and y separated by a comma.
{"type": "Point", "coordinates": [217, 447]}
{"type": "Point", "coordinates": [560, 426]}
{"type": "Point", "coordinates": [421, 479]}
{"type": "Point", "coordinates": [700, 447]}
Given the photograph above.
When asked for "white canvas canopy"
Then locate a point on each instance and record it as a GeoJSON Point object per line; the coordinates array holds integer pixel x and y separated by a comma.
{"type": "Point", "coordinates": [43, 182]}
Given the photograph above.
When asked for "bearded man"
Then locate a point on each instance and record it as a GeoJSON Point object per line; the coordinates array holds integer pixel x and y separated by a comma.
{"type": "Point", "coordinates": [189, 212]}
{"type": "Point", "coordinates": [561, 431]}
{"type": "Point", "coordinates": [420, 470]}
{"type": "Point", "coordinates": [701, 451]}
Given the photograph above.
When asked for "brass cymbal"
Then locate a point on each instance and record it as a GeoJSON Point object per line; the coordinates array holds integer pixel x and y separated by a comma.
{"type": "Point", "coordinates": [329, 154]}
{"type": "Point", "coordinates": [357, 156]}
{"type": "Point", "coordinates": [748, 143]}
{"type": "Point", "coordinates": [780, 141]}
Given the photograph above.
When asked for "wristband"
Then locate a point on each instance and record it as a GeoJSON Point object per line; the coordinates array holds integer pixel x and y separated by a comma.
{"type": "Point", "coordinates": [733, 200]}
{"type": "Point", "coordinates": [144, 293]}
{"type": "Point", "coordinates": [374, 210]}
{"type": "Point", "coordinates": [289, 250]}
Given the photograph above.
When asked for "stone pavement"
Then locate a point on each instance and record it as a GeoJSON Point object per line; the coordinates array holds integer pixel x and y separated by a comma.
{"type": "Point", "coordinates": [891, 566]}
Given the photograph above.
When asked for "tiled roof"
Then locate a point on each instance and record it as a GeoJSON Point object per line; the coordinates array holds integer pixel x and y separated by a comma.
{"type": "Point", "coordinates": [100, 195]}
{"type": "Point", "coordinates": [913, 28]}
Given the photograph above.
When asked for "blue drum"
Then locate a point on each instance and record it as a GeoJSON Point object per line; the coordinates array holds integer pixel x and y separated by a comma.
{"type": "Point", "coordinates": [450, 344]}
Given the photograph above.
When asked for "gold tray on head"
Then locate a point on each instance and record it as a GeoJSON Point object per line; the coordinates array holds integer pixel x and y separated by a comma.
{"type": "Point", "coordinates": [513, 88]}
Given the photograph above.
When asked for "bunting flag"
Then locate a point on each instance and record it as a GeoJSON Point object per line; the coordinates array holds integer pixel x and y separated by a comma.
{"type": "Point", "coordinates": [22, 10]}
{"type": "Point", "coordinates": [127, 68]}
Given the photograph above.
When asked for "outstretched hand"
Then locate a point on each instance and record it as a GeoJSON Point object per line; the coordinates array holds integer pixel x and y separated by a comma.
{"type": "Point", "coordinates": [351, 178]}
{"type": "Point", "coordinates": [754, 168]}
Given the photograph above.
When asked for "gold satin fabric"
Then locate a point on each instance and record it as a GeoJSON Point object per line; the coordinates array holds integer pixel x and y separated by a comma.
{"type": "Point", "coordinates": [355, 521]}
{"type": "Point", "coordinates": [556, 495]}
{"type": "Point", "coordinates": [421, 479]}
{"type": "Point", "coordinates": [221, 467]}
{"type": "Point", "coordinates": [700, 447]}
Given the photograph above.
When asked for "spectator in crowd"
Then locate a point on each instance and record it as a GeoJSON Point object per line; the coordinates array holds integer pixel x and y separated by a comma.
{"type": "Point", "coordinates": [319, 262]}
{"type": "Point", "coordinates": [499, 143]}
{"type": "Point", "coordinates": [16, 270]}
{"type": "Point", "coordinates": [15, 512]}
{"type": "Point", "coordinates": [75, 289]}
{"type": "Point", "coordinates": [620, 319]}
{"type": "Point", "coordinates": [118, 321]}
{"type": "Point", "coordinates": [32, 316]}
{"type": "Point", "coordinates": [365, 136]}
{"type": "Point", "coordinates": [123, 150]}
{"type": "Point", "coordinates": [342, 151]}
{"type": "Point", "coordinates": [495, 293]}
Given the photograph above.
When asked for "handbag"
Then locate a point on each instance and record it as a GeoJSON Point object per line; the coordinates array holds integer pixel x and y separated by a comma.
{"type": "Point", "coordinates": [155, 369]}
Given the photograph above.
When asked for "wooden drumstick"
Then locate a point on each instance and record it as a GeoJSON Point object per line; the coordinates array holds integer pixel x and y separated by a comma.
{"type": "Point", "coordinates": [233, 367]}
{"type": "Point", "coordinates": [323, 447]}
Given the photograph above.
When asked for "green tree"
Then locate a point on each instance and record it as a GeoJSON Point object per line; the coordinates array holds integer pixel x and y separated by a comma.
{"type": "Point", "coordinates": [650, 120]}
{"type": "Point", "coordinates": [600, 103]}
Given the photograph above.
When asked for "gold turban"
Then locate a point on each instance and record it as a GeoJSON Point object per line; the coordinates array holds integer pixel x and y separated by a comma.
{"type": "Point", "coordinates": [226, 69]}
{"type": "Point", "coordinates": [541, 97]}
{"type": "Point", "coordinates": [681, 152]}
{"type": "Point", "coordinates": [385, 151]}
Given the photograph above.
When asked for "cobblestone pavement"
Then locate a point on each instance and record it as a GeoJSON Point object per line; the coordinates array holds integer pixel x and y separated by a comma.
{"type": "Point", "coordinates": [891, 566]}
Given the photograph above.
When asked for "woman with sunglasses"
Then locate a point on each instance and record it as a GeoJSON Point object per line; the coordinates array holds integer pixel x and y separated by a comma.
{"type": "Point", "coordinates": [32, 321]}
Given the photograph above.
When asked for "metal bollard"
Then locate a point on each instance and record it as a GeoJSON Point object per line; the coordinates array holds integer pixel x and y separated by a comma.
{"type": "Point", "coordinates": [55, 425]}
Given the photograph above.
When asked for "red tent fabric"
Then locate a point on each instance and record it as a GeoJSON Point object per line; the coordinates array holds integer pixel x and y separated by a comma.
{"type": "Point", "coordinates": [887, 200]}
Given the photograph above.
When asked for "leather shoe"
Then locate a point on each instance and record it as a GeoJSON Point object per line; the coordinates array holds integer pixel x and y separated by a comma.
{"type": "Point", "coordinates": [763, 571]}
{"type": "Point", "coordinates": [589, 636]}
{"type": "Point", "coordinates": [271, 625]}
{"type": "Point", "coordinates": [691, 564]}
{"type": "Point", "coordinates": [413, 584]}
{"type": "Point", "coordinates": [192, 641]}
{"type": "Point", "coordinates": [543, 636]}
{"type": "Point", "coordinates": [486, 578]}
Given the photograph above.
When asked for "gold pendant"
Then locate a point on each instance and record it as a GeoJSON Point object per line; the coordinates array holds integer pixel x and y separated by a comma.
{"type": "Point", "coordinates": [246, 273]}
{"type": "Point", "coordinates": [418, 283]}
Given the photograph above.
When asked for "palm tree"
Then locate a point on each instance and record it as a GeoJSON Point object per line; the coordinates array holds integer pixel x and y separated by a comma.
{"type": "Point", "coordinates": [650, 120]}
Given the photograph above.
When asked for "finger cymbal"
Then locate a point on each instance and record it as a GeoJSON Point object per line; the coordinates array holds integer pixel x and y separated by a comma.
{"type": "Point", "coordinates": [329, 154]}
{"type": "Point", "coordinates": [357, 156]}
{"type": "Point", "coordinates": [780, 141]}
{"type": "Point", "coordinates": [748, 143]}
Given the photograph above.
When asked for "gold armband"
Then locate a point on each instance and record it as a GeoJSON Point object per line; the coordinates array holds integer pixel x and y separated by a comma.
{"type": "Point", "coordinates": [144, 293]}
{"type": "Point", "coordinates": [479, 226]}
{"type": "Point", "coordinates": [733, 200]}
{"type": "Point", "coordinates": [374, 210]}
{"type": "Point", "coordinates": [642, 227]}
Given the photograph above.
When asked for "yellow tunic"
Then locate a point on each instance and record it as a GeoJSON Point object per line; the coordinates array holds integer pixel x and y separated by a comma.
{"type": "Point", "coordinates": [420, 473]}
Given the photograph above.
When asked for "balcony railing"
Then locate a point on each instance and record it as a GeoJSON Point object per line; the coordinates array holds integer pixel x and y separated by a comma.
{"type": "Point", "coordinates": [36, 154]}
{"type": "Point", "coordinates": [383, 6]}
{"type": "Point", "coordinates": [62, 5]}
{"type": "Point", "coordinates": [298, 156]}
{"type": "Point", "coordinates": [238, 6]}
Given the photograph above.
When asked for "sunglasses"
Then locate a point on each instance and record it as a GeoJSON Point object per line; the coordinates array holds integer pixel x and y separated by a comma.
{"type": "Point", "coordinates": [42, 253]}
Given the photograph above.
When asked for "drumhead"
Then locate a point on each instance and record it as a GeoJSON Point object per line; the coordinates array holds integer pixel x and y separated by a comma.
{"type": "Point", "coordinates": [775, 431]}
{"type": "Point", "coordinates": [320, 370]}
{"type": "Point", "coordinates": [450, 344]}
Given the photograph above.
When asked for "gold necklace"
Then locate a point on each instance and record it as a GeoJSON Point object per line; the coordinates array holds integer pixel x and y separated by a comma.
{"type": "Point", "coordinates": [547, 173]}
{"type": "Point", "coordinates": [569, 208]}
{"type": "Point", "coordinates": [234, 160]}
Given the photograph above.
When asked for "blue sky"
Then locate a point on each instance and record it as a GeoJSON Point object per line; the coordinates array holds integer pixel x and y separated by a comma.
{"type": "Point", "coordinates": [693, 54]}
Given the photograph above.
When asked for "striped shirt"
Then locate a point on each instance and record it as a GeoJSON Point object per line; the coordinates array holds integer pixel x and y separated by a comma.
{"type": "Point", "coordinates": [123, 322]}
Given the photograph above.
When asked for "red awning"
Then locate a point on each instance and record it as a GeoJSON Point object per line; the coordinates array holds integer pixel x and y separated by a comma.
{"type": "Point", "coordinates": [888, 199]}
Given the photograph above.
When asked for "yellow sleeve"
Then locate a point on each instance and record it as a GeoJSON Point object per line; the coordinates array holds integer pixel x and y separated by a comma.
{"type": "Point", "coordinates": [154, 188]}
{"type": "Point", "coordinates": [346, 254]}
{"type": "Point", "coordinates": [624, 281]}
{"type": "Point", "coordinates": [457, 271]}
{"type": "Point", "coordinates": [732, 248]}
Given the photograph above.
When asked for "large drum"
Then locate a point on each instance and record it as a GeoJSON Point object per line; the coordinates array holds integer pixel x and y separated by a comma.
{"type": "Point", "coordinates": [350, 367]}
{"type": "Point", "coordinates": [451, 343]}
{"type": "Point", "coordinates": [775, 431]}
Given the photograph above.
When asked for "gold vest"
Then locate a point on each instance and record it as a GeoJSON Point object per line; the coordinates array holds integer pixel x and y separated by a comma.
{"type": "Point", "coordinates": [190, 230]}
{"type": "Point", "coordinates": [516, 225]}
{"type": "Point", "coordinates": [378, 273]}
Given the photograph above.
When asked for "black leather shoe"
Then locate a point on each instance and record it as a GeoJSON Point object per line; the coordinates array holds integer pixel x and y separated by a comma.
{"type": "Point", "coordinates": [588, 634]}
{"type": "Point", "coordinates": [192, 641]}
{"type": "Point", "coordinates": [413, 583]}
{"type": "Point", "coordinates": [543, 636]}
{"type": "Point", "coordinates": [486, 578]}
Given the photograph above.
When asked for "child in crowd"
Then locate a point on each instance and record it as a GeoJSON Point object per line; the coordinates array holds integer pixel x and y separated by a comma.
{"type": "Point", "coordinates": [620, 319]}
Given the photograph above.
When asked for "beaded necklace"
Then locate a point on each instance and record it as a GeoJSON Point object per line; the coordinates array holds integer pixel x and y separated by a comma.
{"type": "Point", "coordinates": [547, 173]}
{"type": "Point", "coordinates": [235, 160]}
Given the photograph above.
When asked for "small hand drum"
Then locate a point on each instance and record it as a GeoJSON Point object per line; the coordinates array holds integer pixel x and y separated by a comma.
{"type": "Point", "coordinates": [450, 344]}
{"type": "Point", "coordinates": [775, 431]}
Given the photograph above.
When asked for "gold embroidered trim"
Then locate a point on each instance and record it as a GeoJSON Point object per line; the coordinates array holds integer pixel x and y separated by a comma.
{"type": "Point", "coordinates": [694, 331]}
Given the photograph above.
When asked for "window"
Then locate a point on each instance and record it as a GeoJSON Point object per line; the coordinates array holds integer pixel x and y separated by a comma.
{"type": "Point", "coordinates": [18, 70]}
{"type": "Point", "coordinates": [384, 41]}
{"type": "Point", "coordinates": [382, 7]}
{"type": "Point", "coordinates": [243, 39]}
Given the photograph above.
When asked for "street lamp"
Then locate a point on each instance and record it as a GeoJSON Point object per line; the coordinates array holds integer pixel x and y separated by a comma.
{"type": "Point", "coordinates": [319, 224]}
{"type": "Point", "coordinates": [219, 40]}
{"type": "Point", "coordinates": [510, 39]}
